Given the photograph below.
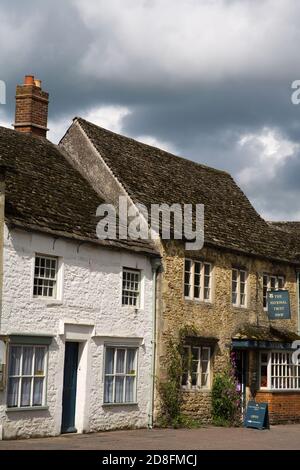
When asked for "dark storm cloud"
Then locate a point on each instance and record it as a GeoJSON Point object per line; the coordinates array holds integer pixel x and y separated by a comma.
{"type": "Point", "coordinates": [200, 76]}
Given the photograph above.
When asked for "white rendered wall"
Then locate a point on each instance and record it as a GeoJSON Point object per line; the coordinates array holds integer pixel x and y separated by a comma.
{"type": "Point", "coordinates": [88, 311]}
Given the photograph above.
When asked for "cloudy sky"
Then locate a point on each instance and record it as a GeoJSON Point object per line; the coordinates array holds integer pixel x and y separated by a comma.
{"type": "Point", "coordinates": [206, 79]}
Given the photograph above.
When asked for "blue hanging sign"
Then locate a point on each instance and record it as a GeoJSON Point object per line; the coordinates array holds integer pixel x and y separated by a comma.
{"type": "Point", "coordinates": [278, 302]}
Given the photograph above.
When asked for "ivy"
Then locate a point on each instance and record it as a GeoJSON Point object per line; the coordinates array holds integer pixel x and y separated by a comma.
{"type": "Point", "coordinates": [170, 390]}
{"type": "Point", "coordinates": [226, 397]}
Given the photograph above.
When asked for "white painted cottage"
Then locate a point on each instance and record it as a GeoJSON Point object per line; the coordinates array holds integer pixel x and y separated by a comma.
{"type": "Point", "coordinates": [77, 313]}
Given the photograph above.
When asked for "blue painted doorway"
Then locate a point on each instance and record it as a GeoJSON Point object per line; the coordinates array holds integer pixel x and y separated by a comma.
{"type": "Point", "coordinates": [70, 387]}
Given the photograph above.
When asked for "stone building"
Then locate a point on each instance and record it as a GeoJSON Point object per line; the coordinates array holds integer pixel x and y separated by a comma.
{"type": "Point", "coordinates": [76, 312]}
{"type": "Point", "coordinates": [217, 295]}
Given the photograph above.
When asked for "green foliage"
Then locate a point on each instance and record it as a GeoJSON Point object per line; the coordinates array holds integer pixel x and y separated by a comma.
{"type": "Point", "coordinates": [170, 390]}
{"type": "Point", "coordinates": [226, 399]}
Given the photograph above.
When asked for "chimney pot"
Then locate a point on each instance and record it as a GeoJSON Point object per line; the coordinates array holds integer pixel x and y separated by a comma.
{"type": "Point", "coordinates": [38, 83]}
{"type": "Point", "coordinates": [29, 80]}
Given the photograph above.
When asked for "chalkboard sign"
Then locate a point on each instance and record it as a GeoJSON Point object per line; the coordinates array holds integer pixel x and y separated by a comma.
{"type": "Point", "coordinates": [257, 416]}
{"type": "Point", "coordinates": [278, 305]}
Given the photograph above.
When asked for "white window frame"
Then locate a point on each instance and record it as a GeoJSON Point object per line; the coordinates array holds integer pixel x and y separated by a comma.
{"type": "Point", "coordinates": [57, 289]}
{"type": "Point", "coordinates": [285, 372]}
{"type": "Point", "coordinates": [20, 376]}
{"type": "Point", "coordinates": [201, 286]}
{"type": "Point", "coordinates": [270, 278]}
{"type": "Point", "coordinates": [138, 301]}
{"type": "Point", "coordinates": [199, 385]}
{"type": "Point", "coordinates": [115, 374]}
{"type": "Point", "coordinates": [238, 292]}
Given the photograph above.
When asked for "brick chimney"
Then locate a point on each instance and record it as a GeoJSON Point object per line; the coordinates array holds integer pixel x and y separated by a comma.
{"type": "Point", "coordinates": [31, 107]}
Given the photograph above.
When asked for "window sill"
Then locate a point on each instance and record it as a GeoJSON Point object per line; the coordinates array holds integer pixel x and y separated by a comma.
{"type": "Point", "coordinates": [134, 403]}
{"type": "Point", "coordinates": [27, 408]}
{"type": "Point", "coordinates": [195, 390]}
{"type": "Point", "coordinates": [240, 307]}
{"type": "Point", "coordinates": [199, 302]}
{"type": "Point", "coordinates": [48, 302]}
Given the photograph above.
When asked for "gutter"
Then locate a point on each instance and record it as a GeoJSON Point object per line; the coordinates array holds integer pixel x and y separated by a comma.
{"type": "Point", "coordinates": [156, 264]}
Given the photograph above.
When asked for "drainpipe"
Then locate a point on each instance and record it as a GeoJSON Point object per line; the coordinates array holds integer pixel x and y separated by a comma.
{"type": "Point", "coordinates": [2, 222]}
{"type": "Point", "coordinates": [2, 338]}
{"type": "Point", "coordinates": [156, 263]}
{"type": "Point", "coordinates": [298, 301]}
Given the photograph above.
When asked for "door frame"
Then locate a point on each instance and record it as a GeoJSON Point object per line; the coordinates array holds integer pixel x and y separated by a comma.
{"type": "Point", "coordinates": [81, 334]}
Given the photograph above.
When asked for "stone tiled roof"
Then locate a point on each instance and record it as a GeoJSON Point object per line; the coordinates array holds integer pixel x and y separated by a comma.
{"type": "Point", "coordinates": [45, 193]}
{"type": "Point", "coordinates": [264, 333]}
{"type": "Point", "coordinates": [151, 175]}
{"type": "Point", "coordinates": [291, 227]}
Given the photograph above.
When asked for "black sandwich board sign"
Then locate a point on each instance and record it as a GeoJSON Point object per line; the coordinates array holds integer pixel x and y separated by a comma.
{"type": "Point", "coordinates": [278, 305]}
{"type": "Point", "coordinates": [257, 416]}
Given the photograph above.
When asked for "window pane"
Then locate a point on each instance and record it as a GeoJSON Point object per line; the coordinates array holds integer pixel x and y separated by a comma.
{"type": "Point", "coordinates": [273, 283]}
{"type": "Point", "coordinates": [194, 379]}
{"type": "Point", "coordinates": [207, 269]}
{"type": "Point", "coordinates": [119, 387]}
{"type": "Point", "coordinates": [187, 278]}
{"type": "Point", "coordinates": [109, 360]}
{"type": "Point", "coordinates": [26, 391]}
{"type": "Point", "coordinates": [38, 391]}
{"type": "Point", "coordinates": [204, 380]}
{"type": "Point", "coordinates": [39, 361]}
{"type": "Point", "coordinates": [130, 367]}
{"type": "Point", "coordinates": [195, 354]}
{"type": "Point", "coordinates": [129, 392]}
{"type": "Point", "coordinates": [13, 392]}
{"type": "Point", "coordinates": [264, 358]}
{"type": "Point", "coordinates": [280, 283]}
{"type": "Point", "coordinates": [197, 267]}
{"type": "Point", "coordinates": [264, 376]}
{"type": "Point", "coordinates": [108, 389]}
{"type": "Point", "coordinates": [187, 265]}
{"type": "Point", "coordinates": [27, 360]}
{"type": "Point", "coordinates": [15, 360]}
{"type": "Point", "coordinates": [184, 380]}
{"type": "Point", "coordinates": [187, 290]}
{"type": "Point", "coordinates": [120, 361]}
{"type": "Point", "coordinates": [197, 292]}
{"type": "Point", "coordinates": [205, 354]}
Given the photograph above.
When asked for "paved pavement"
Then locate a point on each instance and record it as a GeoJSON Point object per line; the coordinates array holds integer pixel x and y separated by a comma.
{"type": "Point", "coordinates": [278, 437]}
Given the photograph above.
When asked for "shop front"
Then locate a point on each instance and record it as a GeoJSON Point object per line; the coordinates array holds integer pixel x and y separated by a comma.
{"type": "Point", "coordinates": [266, 370]}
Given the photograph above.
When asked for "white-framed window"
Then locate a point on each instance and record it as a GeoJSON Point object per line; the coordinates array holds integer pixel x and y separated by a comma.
{"type": "Point", "coordinates": [277, 371]}
{"type": "Point", "coordinates": [196, 367]}
{"type": "Point", "coordinates": [131, 287]}
{"type": "Point", "coordinates": [197, 280]}
{"type": "Point", "coordinates": [27, 376]}
{"type": "Point", "coordinates": [120, 374]}
{"type": "Point", "coordinates": [271, 283]}
{"type": "Point", "coordinates": [45, 276]}
{"type": "Point", "coordinates": [239, 287]}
